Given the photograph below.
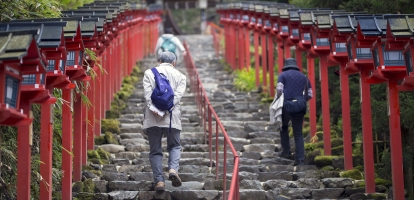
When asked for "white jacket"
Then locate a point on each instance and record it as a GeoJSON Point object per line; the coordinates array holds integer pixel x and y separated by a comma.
{"type": "Point", "coordinates": [174, 39]}
{"type": "Point", "coordinates": [178, 83]}
{"type": "Point", "coordinates": [275, 111]}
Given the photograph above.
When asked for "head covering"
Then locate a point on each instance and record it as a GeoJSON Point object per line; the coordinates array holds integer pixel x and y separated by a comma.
{"type": "Point", "coordinates": [290, 63]}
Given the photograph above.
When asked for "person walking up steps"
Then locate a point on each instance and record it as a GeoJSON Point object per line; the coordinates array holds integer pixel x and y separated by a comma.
{"type": "Point", "coordinates": [296, 90]}
{"type": "Point", "coordinates": [159, 123]}
{"type": "Point", "coordinates": [168, 42]}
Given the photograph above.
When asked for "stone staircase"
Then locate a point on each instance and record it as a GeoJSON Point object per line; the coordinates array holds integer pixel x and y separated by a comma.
{"type": "Point", "coordinates": [263, 175]}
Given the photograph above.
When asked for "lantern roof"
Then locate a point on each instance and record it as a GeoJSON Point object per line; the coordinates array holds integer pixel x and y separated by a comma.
{"type": "Point", "coordinates": [275, 9]}
{"type": "Point", "coordinates": [372, 25]}
{"type": "Point", "coordinates": [49, 32]}
{"type": "Point", "coordinates": [401, 25]}
{"type": "Point", "coordinates": [14, 45]}
{"type": "Point", "coordinates": [347, 23]}
{"type": "Point", "coordinates": [294, 12]}
{"type": "Point", "coordinates": [154, 7]}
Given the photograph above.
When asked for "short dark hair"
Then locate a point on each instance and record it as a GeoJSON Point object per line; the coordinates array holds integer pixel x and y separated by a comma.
{"type": "Point", "coordinates": [168, 31]}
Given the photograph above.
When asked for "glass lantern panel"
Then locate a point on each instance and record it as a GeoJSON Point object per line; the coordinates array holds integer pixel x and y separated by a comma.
{"type": "Point", "coordinates": [340, 47]}
{"type": "Point", "coordinates": [12, 88]}
{"type": "Point", "coordinates": [392, 58]}
{"type": "Point", "coordinates": [349, 48]}
{"type": "Point", "coordinates": [322, 42]}
{"type": "Point", "coordinates": [363, 53]}
{"type": "Point", "coordinates": [295, 32]}
{"type": "Point", "coordinates": [253, 20]}
{"type": "Point", "coordinates": [29, 79]}
{"type": "Point", "coordinates": [80, 61]}
{"type": "Point", "coordinates": [376, 57]}
{"type": "Point", "coordinates": [408, 61]}
{"type": "Point", "coordinates": [42, 78]}
{"type": "Point", "coordinates": [267, 23]}
{"type": "Point", "coordinates": [62, 66]}
{"type": "Point", "coordinates": [285, 29]}
{"type": "Point", "coordinates": [306, 36]}
{"type": "Point", "coordinates": [50, 65]}
{"type": "Point", "coordinates": [70, 60]}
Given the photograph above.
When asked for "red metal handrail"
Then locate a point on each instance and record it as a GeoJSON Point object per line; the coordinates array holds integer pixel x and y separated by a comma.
{"type": "Point", "coordinates": [217, 33]}
{"type": "Point", "coordinates": [207, 115]}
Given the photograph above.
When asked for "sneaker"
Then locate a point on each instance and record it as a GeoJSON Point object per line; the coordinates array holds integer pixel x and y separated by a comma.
{"type": "Point", "coordinates": [298, 163]}
{"type": "Point", "coordinates": [286, 155]}
{"type": "Point", "coordinates": [160, 186]}
{"type": "Point", "coordinates": [174, 178]}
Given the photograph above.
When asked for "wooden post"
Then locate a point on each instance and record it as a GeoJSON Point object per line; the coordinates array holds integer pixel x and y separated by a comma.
{"type": "Point", "coordinates": [24, 155]}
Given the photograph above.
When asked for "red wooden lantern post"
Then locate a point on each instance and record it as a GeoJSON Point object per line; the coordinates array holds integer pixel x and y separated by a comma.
{"type": "Point", "coordinates": [343, 29]}
{"type": "Point", "coordinates": [245, 23]}
{"type": "Point", "coordinates": [360, 59]}
{"type": "Point", "coordinates": [304, 44]}
{"type": "Point", "coordinates": [21, 56]}
{"type": "Point", "coordinates": [232, 37]}
{"type": "Point", "coordinates": [252, 26]}
{"type": "Point", "coordinates": [320, 36]}
{"type": "Point", "coordinates": [239, 34]}
{"type": "Point", "coordinates": [389, 64]}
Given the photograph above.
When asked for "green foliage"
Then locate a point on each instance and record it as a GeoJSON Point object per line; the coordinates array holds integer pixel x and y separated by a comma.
{"type": "Point", "coordinates": [378, 181]}
{"type": "Point", "coordinates": [88, 186]}
{"type": "Point", "coordinates": [100, 140]}
{"type": "Point", "coordinates": [328, 168]}
{"type": "Point", "coordinates": [73, 4]}
{"type": "Point", "coordinates": [23, 9]}
{"type": "Point", "coordinates": [93, 154]}
{"type": "Point", "coordinates": [103, 154]}
{"type": "Point", "coordinates": [338, 151]}
{"type": "Point", "coordinates": [77, 186]}
{"type": "Point", "coordinates": [353, 173]}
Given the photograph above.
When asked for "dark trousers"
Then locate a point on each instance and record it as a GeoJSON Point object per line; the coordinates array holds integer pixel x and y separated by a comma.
{"type": "Point", "coordinates": [297, 122]}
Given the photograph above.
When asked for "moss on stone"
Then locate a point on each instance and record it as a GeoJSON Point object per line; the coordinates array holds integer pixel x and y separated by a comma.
{"type": "Point", "coordinates": [124, 95]}
{"type": "Point", "coordinates": [112, 114]}
{"type": "Point", "coordinates": [134, 79]}
{"type": "Point", "coordinates": [305, 131]}
{"type": "Point", "coordinates": [85, 196]}
{"type": "Point", "coordinates": [310, 146]}
{"type": "Point", "coordinates": [338, 151]}
{"type": "Point", "coordinates": [127, 80]}
{"type": "Point", "coordinates": [328, 168]}
{"type": "Point", "coordinates": [88, 186]}
{"type": "Point", "coordinates": [87, 167]}
{"type": "Point", "coordinates": [377, 196]}
{"type": "Point", "coordinates": [103, 154]}
{"type": "Point", "coordinates": [100, 140]}
{"type": "Point", "coordinates": [93, 154]}
{"type": "Point", "coordinates": [96, 161]}
{"type": "Point", "coordinates": [110, 125]}
{"type": "Point", "coordinates": [77, 187]}
{"type": "Point", "coordinates": [110, 138]}
{"type": "Point", "coordinates": [336, 142]}
{"type": "Point", "coordinates": [121, 105]}
{"type": "Point", "coordinates": [353, 173]}
{"type": "Point", "coordinates": [97, 172]}
{"type": "Point", "coordinates": [380, 181]}
{"type": "Point", "coordinates": [322, 161]}
{"type": "Point", "coordinates": [360, 168]}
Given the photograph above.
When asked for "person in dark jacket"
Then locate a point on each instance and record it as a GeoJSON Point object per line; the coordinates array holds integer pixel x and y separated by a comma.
{"type": "Point", "coordinates": [292, 83]}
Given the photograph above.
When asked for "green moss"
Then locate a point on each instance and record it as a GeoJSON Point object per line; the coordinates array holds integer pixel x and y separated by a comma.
{"type": "Point", "coordinates": [378, 181]}
{"type": "Point", "coordinates": [110, 125]}
{"type": "Point", "coordinates": [360, 168]}
{"type": "Point", "coordinates": [336, 142]}
{"type": "Point", "coordinates": [124, 95]}
{"type": "Point", "coordinates": [77, 186]}
{"type": "Point", "coordinates": [100, 140]}
{"type": "Point", "coordinates": [377, 196]}
{"type": "Point", "coordinates": [127, 80]}
{"type": "Point", "coordinates": [134, 79]}
{"type": "Point", "coordinates": [110, 138]}
{"type": "Point", "coordinates": [310, 146]}
{"type": "Point", "coordinates": [319, 134]}
{"type": "Point", "coordinates": [88, 186]}
{"type": "Point", "coordinates": [121, 105]}
{"type": "Point", "coordinates": [306, 131]}
{"type": "Point", "coordinates": [96, 161]}
{"type": "Point", "coordinates": [322, 161]}
{"type": "Point", "coordinates": [338, 151]}
{"type": "Point", "coordinates": [127, 87]}
{"type": "Point", "coordinates": [87, 167]}
{"type": "Point", "coordinates": [103, 154]}
{"type": "Point", "coordinates": [353, 173]}
{"type": "Point", "coordinates": [85, 196]}
{"type": "Point", "coordinates": [112, 114]}
{"type": "Point", "coordinates": [97, 172]}
{"type": "Point", "coordinates": [93, 154]}
{"type": "Point", "coordinates": [328, 168]}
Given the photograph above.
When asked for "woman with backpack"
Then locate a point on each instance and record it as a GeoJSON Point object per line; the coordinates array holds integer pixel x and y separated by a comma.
{"type": "Point", "coordinates": [168, 42]}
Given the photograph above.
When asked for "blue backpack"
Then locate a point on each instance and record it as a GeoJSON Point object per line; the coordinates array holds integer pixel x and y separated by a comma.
{"type": "Point", "coordinates": [162, 96]}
